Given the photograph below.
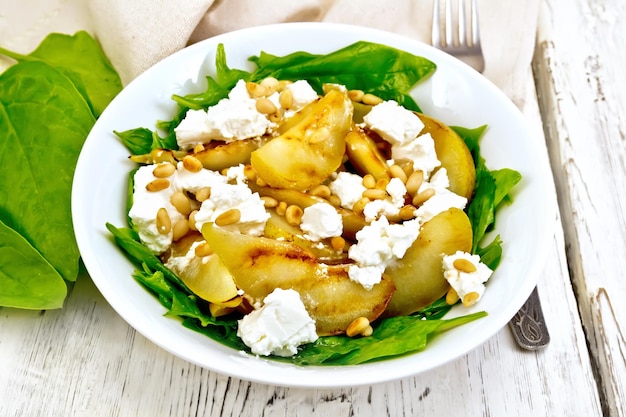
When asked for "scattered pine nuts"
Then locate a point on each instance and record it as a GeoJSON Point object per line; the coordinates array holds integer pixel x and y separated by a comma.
{"type": "Point", "coordinates": [198, 148]}
{"type": "Point", "coordinates": [265, 106]}
{"type": "Point", "coordinates": [356, 95]}
{"type": "Point", "coordinates": [192, 164]}
{"type": "Point", "coordinates": [281, 208]}
{"type": "Point", "coordinates": [180, 229]}
{"type": "Point", "coordinates": [369, 181]}
{"type": "Point", "coordinates": [414, 182]}
{"type": "Point", "coordinates": [359, 206]}
{"type": "Point", "coordinates": [420, 198]}
{"type": "Point", "coordinates": [158, 184]}
{"type": "Point", "coordinates": [230, 216]}
{"type": "Point", "coordinates": [276, 116]}
{"type": "Point", "coordinates": [371, 99]}
{"type": "Point", "coordinates": [334, 200]}
{"type": "Point", "coordinates": [202, 250]}
{"type": "Point", "coordinates": [164, 170]}
{"type": "Point", "coordinates": [293, 215]}
{"type": "Point", "coordinates": [382, 183]}
{"type": "Point", "coordinates": [359, 327]}
{"type": "Point", "coordinates": [451, 296]}
{"type": "Point", "coordinates": [375, 194]}
{"type": "Point", "coordinates": [321, 190]}
{"type": "Point", "coordinates": [286, 98]}
{"type": "Point", "coordinates": [337, 243]}
{"type": "Point", "coordinates": [203, 194]}
{"type": "Point", "coordinates": [396, 171]}
{"type": "Point", "coordinates": [270, 84]}
{"type": "Point", "coordinates": [163, 221]}
{"type": "Point", "coordinates": [269, 202]}
{"type": "Point", "coordinates": [407, 212]}
{"type": "Point", "coordinates": [261, 182]}
{"type": "Point", "coordinates": [256, 90]}
{"type": "Point", "coordinates": [470, 298]}
{"type": "Point", "coordinates": [464, 265]}
{"type": "Point", "coordinates": [192, 221]}
{"type": "Point", "coordinates": [181, 202]}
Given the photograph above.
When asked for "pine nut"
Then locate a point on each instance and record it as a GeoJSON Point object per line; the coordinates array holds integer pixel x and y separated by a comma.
{"type": "Point", "coordinates": [470, 298]}
{"type": "Point", "coordinates": [356, 95]}
{"type": "Point", "coordinates": [420, 198]}
{"type": "Point", "coordinates": [202, 250]}
{"type": "Point", "coordinates": [192, 221]}
{"type": "Point", "coordinates": [163, 221]}
{"type": "Point", "coordinates": [337, 243]}
{"type": "Point", "coordinates": [276, 116]}
{"type": "Point", "coordinates": [321, 134]}
{"type": "Point", "coordinates": [181, 202]}
{"type": "Point", "coordinates": [371, 99]}
{"type": "Point", "coordinates": [451, 296]}
{"type": "Point", "coordinates": [293, 215]}
{"type": "Point", "coordinates": [180, 229]}
{"type": "Point", "coordinates": [414, 182]}
{"type": "Point", "coordinates": [164, 170]}
{"type": "Point", "coordinates": [320, 190]}
{"type": "Point", "coordinates": [203, 194]}
{"type": "Point", "coordinates": [369, 330]}
{"type": "Point", "coordinates": [359, 206]}
{"type": "Point", "coordinates": [286, 98]}
{"type": "Point", "coordinates": [282, 84]}
{"type": "Point", "coordinates": [192, 164]}
{"type": "Point", "coordinates": [334, 200]}
{"type": "Point", "coordinates": [382, 183]}
{"type": "Point", "coordinates": [265, 106]}
{"type": "Point", "coordinates": [158, 184]}
{"type": "Point", "coordinates": [230, 216]}
{"type": "Point", "coordinates": [359, 326]}
{"type": "Point", "coordinates": [281, 208]}
{"type": "Point", "coordinates": [269, 202]}
{"type": "Point", "coordinates": [464, 265]}
{"type": "Point", "coordinates": [270, 84]}
{"type": "Point", "coordinates": [198, 148]}
{"type": "Point", "coordinates": [375, 194]}
{"type": "Point", "coordinates": [407, 167]}
{"type": "Point", "coordinates": [369, 181]}
{"type": "Point", "coordinates": [407, 212]}
{"type": "Point", "coordinates": [396, 171]}
{"type": "Point", "coordinates": [261, 182]}
{"type": "Point", "coordinates": [249, 173]}
{"type": "Point", "coordinates": [256, 90]}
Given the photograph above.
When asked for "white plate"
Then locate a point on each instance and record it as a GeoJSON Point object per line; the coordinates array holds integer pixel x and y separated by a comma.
{"type": "Point", "coordinates": [455, 94]}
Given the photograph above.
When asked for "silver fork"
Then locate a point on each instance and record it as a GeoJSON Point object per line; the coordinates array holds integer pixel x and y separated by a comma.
{"type": "Point", "coordinates": [464, 43]}
{"type": "Point", "coordinates": [528, 325]}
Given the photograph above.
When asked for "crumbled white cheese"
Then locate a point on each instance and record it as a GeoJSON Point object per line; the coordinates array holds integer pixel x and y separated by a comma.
{"type": "Point", "coordinates": [378, 245]}
{"type": "Point", "coordinates": [302, 93]}
{"type": "Point", "coordinates": [388, 207]}
{"type": "Point", "coordinates": [321, 221]}
{"type": "Point", "coordinates": [279, 326]}
{"type": "Point", "coordinates": [181, 262]}
{"type": "Point", "coordinates": [421, 151]}
{"type": "Point", "coordinates": [393, 122]}
{"type": "Point", "coordinates": [234, 196]}
{"type": "Point", "coordinates": [464, 282]}
{"type": "Point", "coordinates": [185, 180]}
{"type": "Point", "coordinates": [443, 198]}
{"type": "Point", "coordinates": [145, 206]}
{"type": "Point", "coordinates": [232, 118]}
{"type": "Point", "coordinates": [348, 187]}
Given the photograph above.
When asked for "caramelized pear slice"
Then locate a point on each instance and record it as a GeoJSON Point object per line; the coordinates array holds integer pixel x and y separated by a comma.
{"type": "Point", "coordinates": [307, 153]}
{"type": "Point", "coordinates": [365, 156]}
{"type": "Point", "coordinates": [278, 228]}
{"type": "Point", "coordinates": [454, 155]}
{"type": "Point", "coordinates": [418, 276]}
{"type": "Point", "coordinates": [207, 276]}
{"type": "Point", "coordinates": [217, 156]}
{"type": "Point", "coordinates": [260, 265]}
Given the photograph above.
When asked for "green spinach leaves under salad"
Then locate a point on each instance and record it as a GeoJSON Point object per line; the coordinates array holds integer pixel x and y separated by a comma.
{"type": "Point", "coordinates": [387, 73]}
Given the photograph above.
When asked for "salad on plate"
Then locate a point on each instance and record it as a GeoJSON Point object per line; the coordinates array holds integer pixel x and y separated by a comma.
{"type": "Point", "coordinates": [309, 212]}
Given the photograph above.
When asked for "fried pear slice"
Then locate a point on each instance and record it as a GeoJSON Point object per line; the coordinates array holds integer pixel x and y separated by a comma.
{"type": "Point", "coordinates": [418, 276]}
{"type": "Point", "coordinates": [365, 156]}
{"type": "Point", "coordinates": [454, 155]}
{"type": "Point", "coordinates": [311, 150]}
{"type": "Point", "coordinates": [259, 265]}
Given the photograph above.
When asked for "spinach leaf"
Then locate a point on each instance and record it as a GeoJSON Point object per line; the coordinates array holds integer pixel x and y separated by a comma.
{"type": "Point", "coordinates": [81, 60]}
{"type": "Point", "coordinates": [49, 101]}
{"type": "Point", "coordinates": [45, 122]}
{"type": "Point", "coordinates": [392, 337]}
{"type": "Point", "coordinates": [40, 288]}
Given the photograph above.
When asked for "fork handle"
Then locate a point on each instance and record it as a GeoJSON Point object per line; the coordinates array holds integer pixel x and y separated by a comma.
{"type": "Point", "coordinates": [529, 326]}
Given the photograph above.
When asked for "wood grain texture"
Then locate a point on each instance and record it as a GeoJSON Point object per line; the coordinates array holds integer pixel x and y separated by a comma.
{"type": "Point", "coordinates": [579, 63]}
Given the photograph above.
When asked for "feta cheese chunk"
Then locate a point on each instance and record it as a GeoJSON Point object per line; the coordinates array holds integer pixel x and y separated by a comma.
{"type": "Point", "coordinates": [389, 207]}
{"type": "Point", "coordinates": [442, 200]}
{"type": "Point", "coordinates": [145, 206]}
{"type": "Point", "coordinates": [232, 118]}
{"type": "Point", "coordinates": [348, 187]}
{"type": "Point", "coordinates": [320, 221]}
{"type": "Point", "coordinates": [468, 285]}
{"type": "Point", "coordinates": [279, 326]}
{"type": "Point", "coordinates": [394, 123]}
{"type": "Point", "coordinates": [224, 197]}
{"type": "Point", "coordinates": [421, 151]}
{"type": "Point", "coordinates": [378, 245]}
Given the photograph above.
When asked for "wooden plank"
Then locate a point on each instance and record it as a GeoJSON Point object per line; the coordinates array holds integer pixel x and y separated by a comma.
{"type": "Point", "coordinates": [579, 64]}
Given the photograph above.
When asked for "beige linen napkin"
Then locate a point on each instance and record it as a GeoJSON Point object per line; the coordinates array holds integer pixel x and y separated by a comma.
{"type": "Point", "coordinates": [137, 34]}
